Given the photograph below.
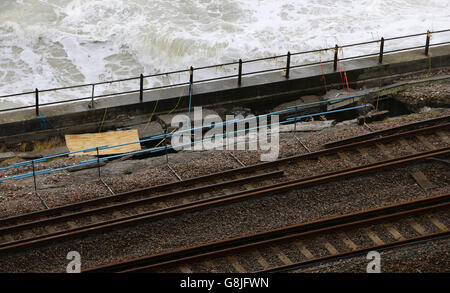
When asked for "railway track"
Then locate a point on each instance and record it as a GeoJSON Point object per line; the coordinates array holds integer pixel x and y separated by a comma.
{"type": "Point", "coordinates": [192, 194]}
{"type": "Point", "coordinates": [304, 244]}
{"type": "Point", "coordinates": [390, 131]}
{"type": "Point", "coordinates": [124, 220]}
{"type": "Point", "coordinates": [358, 252]}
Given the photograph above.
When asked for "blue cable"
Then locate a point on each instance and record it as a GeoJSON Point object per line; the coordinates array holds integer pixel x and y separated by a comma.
{"type": "Point", "coordinates": [171, 134]}
{"type": "Point", "coordinates": [162, 136]}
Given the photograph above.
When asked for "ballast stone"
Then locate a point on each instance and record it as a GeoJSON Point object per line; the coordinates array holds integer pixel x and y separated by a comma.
{"type": "Point", "coordinates": [308, 126]}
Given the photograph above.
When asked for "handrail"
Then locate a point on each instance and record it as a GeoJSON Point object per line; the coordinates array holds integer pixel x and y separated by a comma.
{"type": "Point", "coordinates": [168, 135]}
{"type": "Point", "coordinates": [239, 75]}
{"type": "Point", "coordinates": [162, 136]}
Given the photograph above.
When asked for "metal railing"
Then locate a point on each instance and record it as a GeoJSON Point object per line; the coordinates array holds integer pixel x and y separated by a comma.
{"type": "Point", "coordinates": [286, 69]}
{"type": "Point", "coordinates": [294, 110]}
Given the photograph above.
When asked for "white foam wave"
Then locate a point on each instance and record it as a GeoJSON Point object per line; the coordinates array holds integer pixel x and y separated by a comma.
{"type": "Point", "coordinates": [53, 43]}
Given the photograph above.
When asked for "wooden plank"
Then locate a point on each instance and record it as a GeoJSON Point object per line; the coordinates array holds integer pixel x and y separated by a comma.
{"type": "Point", "coordinates": [345, 158]}
{"type": "Point", "coordinates": [185, 269]}
{"type": "Point", "coordinates": [236, 265]}
{"type": "Point", "coordinates": [77, 142]}
{"type": "Point", "coordinates": [260, 259]}
{"type": "Point", "coordinates": [407, 146]}
{"type": "Point", "coordinates": [443, 136]}
{"type": "Point", "coordinates": [422, 180]}
{"type": "Point", "coordinates": [163, 205]}
{"type": "Point", "coordinates": [206, 195]}
{"type": "Point", "coordinates": [416, 226]}
{"type": "Point", "coordinates": [248, 186]}
{"type": "Point", "coordinates": [28, 234]}
{"type": "Point", "coordinates": [352, 245]}
{"type": "Point", "coordinates": [385, 151]}
{"type": "Point", "coordinates": [7, 238]}
{"type": "Point", "coordinates": [117, 214]}
{"type": "Point", "coordinates": [94, 219]}
{"type": "Point", "coordinates": [372, 117]}
{"type": "Point", "coordinates": [425, 142]}
{"type": "Point", "coordinates": [140, 210]}
{"type": "Point", "coordinates": [366, 154]}
{"type": "Point", "coordinates": [51, 229]}
{"type": "Point", "coordinates": [227, 190]}
{"type": "Point", "coordinates": [209, 264]}
{"type": "Point", "coordinates": [374, 237]}
{"type": "Point", "coordinates": [283, 257]}
{"type": "Point", "coordinates": [394, 232]}
{"type": "Point", "coordinates": [72, 224]}
{"type": "Point", "coordinates": [322, 159]}
{"type": "Point", "coordinates": [304, 250]}
{"type": "Point", "coordinates": [331, 249]}
{"type": "Point", "coordinates": [438, 223]}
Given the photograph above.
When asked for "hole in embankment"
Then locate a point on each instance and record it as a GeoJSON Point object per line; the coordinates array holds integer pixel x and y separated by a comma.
{"type": "Point", "coordinates": [345, 115]}
{"type": "Point", "coordinates": [392, 106]}
{"type": "Point", "coordinates": [395, 107]}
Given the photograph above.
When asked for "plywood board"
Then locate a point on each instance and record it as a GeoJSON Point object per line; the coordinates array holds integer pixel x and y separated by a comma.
{"type": "Point", "coordinates": [77, 142]}
{"type": "Point", "coordinates": [422, 180]}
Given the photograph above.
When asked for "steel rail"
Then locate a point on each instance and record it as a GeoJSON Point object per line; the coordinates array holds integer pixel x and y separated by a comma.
{"type": "Point", "coordinates": [347, 221]}
{"type": "Point", "coordinates": [386, 131]}
{"type": "Point", "coordinates": [50, 213]}
{"type": "Point", "coordinates": [358, 252]}
{"type": "Point", "coordinates": [250, 168]}
{"type": "Point", "coordinates": [128, 194]}
{"type": "Point", "coordinates": [289, 111]}
{"type": "Point", "coordinates": [289, 237]}
{"type": "Point", "coordinates": [219, 200]}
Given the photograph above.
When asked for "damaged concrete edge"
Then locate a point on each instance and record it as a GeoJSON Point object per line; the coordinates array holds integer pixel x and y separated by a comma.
{"type": "Point", "coordinates": [265, 90]}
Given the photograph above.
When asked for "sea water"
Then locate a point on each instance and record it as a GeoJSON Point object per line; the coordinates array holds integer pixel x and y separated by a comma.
{"type": "Point", "coordinates": [54, 43]}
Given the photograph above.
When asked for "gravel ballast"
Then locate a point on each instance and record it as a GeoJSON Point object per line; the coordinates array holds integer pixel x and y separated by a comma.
{"type": "Point", "coordinates": [250, 216]}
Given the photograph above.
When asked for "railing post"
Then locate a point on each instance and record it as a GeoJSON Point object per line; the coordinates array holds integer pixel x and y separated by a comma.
{"type": "Point", "coordinates": [141, 89]}
{"type": "Point", "coordinates": [98, 164]}
{"type": "Point", "coordinates": [427, 45]}
{"type": "Point", "coordinates": [37, 102]}
{"type": "Point", "coordinates": [240, 72]}
{"type": "Point", "coordinates": [166, 141]}
{"type": "Point", "coordinates": [288, 64]}
{"type": "Point", "coordinates": [35, 185]}
{"type": "Point", "coordinates": [380, 59]}
{"type": "Point", "coordinates": [336, 50]}
{"type": "Point", "coordinates": [34, 177]}
{"type": "Point", "coordinates": [92, 100]}
{"type": "Point", "coordinates": [191, 75]}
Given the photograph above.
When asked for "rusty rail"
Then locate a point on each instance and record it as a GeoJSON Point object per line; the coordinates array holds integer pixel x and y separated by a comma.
{"type": "Point", "coordinates": [239, 76]}
{"type": "Point", "coordinates": [219, 200]}
{"type": "Point", "coordinates": [370, 139]}
{"type": "Point", "coordinates": [358, 252]}
{"type": "Point", "coordinates": [269, 237]}
{"type": "Point", "coordinates": [390, 131]}
{"type": "Point", "coordinates": [50, 218]}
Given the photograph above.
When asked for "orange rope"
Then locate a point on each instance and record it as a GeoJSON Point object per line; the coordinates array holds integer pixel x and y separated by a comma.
{"type": "Point", "coordinates": [340, 72]}
{"type": "Point", "coordinates": [345, 72]}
